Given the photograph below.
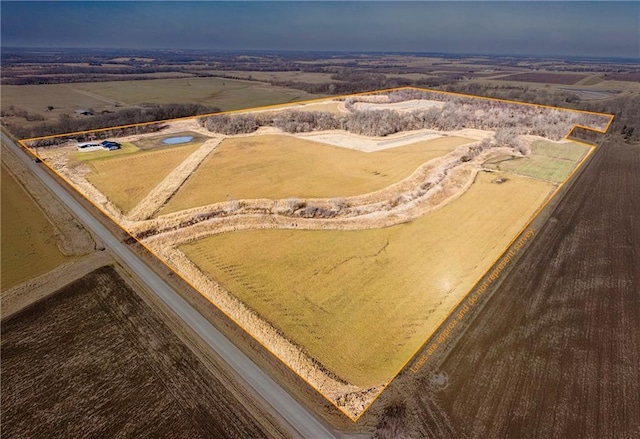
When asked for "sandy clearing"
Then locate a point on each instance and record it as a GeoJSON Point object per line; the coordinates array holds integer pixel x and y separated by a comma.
{"type": "Point", "coordinates": [360, 143]}
{"type": "Point", "coordinates": [345, 139]}
{"type": "Point", "coordinates": [412, 105]}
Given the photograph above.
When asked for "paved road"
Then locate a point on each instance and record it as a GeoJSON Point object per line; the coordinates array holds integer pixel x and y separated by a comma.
{"type": "Point", "coordinates": [295, 414]}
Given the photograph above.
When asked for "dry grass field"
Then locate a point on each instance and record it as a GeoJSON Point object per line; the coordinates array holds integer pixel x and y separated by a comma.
{"type": "Point", "coordinates": [361, 302]}
{"type": "Point", "coordinates": [546, 77]}
{"type": "Point", "coordinates": [547, 161]}
{"type": "Point", "coordinates": [128, 178]}
{"type": "Point", "coordinates": [277, 166]}
{"type": "Point", "coordinates": [93, 360]}
{"type": "Point", "coordinates": [312, 77]}
{"type": "Point", "coordinates": [29, 243]}
{"type": "Point", "coordinates": [226, 94]}
{"type": "Point", "coordinates": [327, 107]}
{"type": "Point", "coordinates": [36, 98]}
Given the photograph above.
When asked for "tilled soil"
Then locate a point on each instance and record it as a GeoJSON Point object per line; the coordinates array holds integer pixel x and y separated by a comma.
{"type": "Point", "coordinates": [93, 360]}
{"type": "Point", "coordinates": [555, 352]}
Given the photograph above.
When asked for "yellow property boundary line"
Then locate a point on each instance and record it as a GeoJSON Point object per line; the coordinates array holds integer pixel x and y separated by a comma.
{"type": "Point", "coordinates": [23, 142]}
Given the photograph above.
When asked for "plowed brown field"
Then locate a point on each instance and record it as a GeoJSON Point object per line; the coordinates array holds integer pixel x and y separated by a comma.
{"type": "Point", "coordinates": [555, 352]}
{"type": "Point", "coordinates": [93, 360]}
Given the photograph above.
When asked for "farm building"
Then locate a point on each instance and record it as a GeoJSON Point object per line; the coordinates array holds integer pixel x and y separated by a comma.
{"type": "Point", "coordinates": [93, 146]}
{"type": "Point", "coordinates": [88, 146]}
{"type": "Point", "coordinates": [110, 145]}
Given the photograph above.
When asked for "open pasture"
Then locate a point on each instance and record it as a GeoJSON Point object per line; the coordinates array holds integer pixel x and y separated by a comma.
{"type": "Point", "coordinates": [545, 77]}
{"type": "Point", "coordinates": [361, 302]}
{"type": "Point", "coordinates": [548, 161]}
{"type": "Point", "coordinates": [279, 166]}
{"type": "Point", "coordinates": [29, 241]}
{"type": "Point", "coordinates": [282, 76]}
{"type": "Point", "coordinates": [62, 97]}
{"type": "Point", "coordinates": [227, 94]}
{"type": "Point", "coordinates": [126, 179]}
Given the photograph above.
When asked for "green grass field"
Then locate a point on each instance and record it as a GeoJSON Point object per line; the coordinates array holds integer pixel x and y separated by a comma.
{"type": "Point", "coordinates": [361, 302]}
{"type": "Point", "coordinates": [548, 161]}
{"type": "Point", "coordinates": [29, 244]}
{"type": "Point", "coordinates": [275, 166]}
{"type": "Point", "coordinates": [566, 151]}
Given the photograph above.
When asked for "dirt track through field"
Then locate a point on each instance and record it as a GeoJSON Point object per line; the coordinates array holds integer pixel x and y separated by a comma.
{"type": "Point", "coordinates": [160, 194]}
{"type": "Point", "coordinates": [554, 353]}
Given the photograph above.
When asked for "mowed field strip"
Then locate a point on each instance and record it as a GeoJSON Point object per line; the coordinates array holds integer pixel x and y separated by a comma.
{"type": "Point", "coordinates": [547, 161]}
{"type": "Point", "coordinates": [279, 166]}
{"type": "Point", "coordinates": [362, 301]}
{"type": "Point", "coordinates": [29, 241]}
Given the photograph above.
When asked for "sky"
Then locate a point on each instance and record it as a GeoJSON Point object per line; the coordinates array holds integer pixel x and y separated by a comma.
{"type": "Point", "coordinates": [593, 28]}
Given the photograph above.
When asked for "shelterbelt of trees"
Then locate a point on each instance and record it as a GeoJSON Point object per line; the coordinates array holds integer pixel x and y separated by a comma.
{"type": "Point", "coordinates": [125, 116]}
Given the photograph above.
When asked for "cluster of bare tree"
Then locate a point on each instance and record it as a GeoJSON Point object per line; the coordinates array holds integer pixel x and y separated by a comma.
{"type": "Point", "coordinates": [457, 113]}
{"type": "Point", "coordinates": [290, 121]}
{"type": "Point", "coordinates": [306, 121]}
{"type": "Point", "coordinates": [12, 111]}
{"type": "Point", "coordinates": [626, 109]}
{"type": "Point", "coordinates": [232, 124]}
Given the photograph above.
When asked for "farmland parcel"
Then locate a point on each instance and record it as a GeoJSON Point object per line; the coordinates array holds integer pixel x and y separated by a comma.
{"type": "Point", "coordinates": [29, 242]}
{"type": "Point", "coordinates": [386, 216]}
{"type": "Point", "coordinates": [94, 360]}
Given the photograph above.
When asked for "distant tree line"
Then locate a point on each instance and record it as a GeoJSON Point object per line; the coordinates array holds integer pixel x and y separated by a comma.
{"type": "Point", "coordinates": [148, 113]}
{"type": "Point", "coordinates": [362, 82]}
{"type": "Point", "coordinates": [97, 135]}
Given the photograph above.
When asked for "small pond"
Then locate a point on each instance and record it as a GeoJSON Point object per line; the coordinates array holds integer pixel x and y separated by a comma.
{"type": "Point", "coordinates": [176, 140]}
